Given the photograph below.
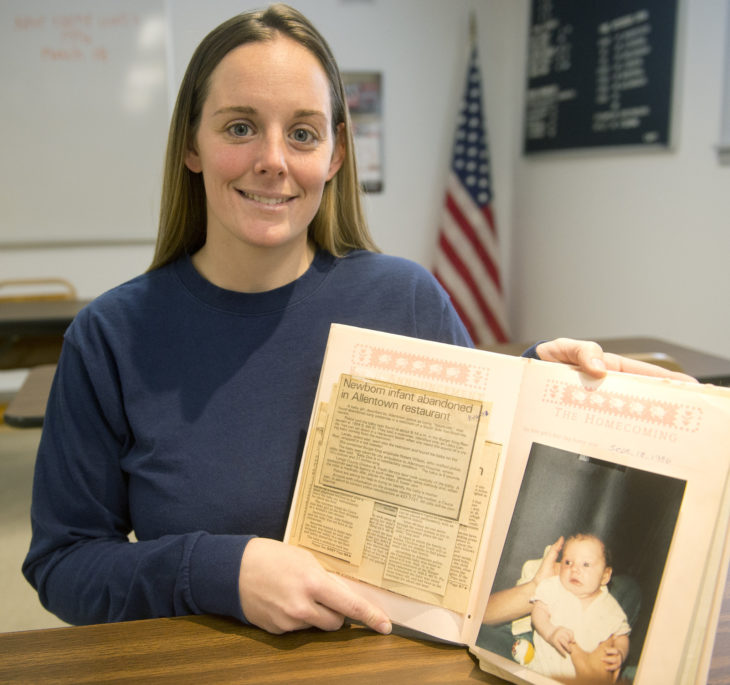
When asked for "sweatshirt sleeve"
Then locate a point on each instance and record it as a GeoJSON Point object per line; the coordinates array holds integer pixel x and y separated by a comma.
{"type": "Point", "coordinates": [81, 560]}
{"type": "Point", "coordinates": [531, 352]}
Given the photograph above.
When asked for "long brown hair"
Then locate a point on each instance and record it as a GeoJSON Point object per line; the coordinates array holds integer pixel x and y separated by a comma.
{"type": "Point", "coordinates": [339, 225]}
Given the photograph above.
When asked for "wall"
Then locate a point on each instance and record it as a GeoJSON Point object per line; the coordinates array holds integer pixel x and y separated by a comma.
{"type": "Point", "coordinates": [419, 45]}
{"type": "Point", "coordinates": [595, 244]}
{"type": "Point", "coordinates": [633, 243]}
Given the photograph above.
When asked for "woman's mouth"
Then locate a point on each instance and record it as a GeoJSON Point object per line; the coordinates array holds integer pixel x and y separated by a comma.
{"type": "Point", "coordinates": [264, 199]}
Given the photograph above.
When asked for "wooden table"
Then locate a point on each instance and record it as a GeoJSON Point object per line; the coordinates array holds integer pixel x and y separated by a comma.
{"type": "Point", "coordinates": [707, 368]}
{"type": "Point", "coordinates": [206, 649]}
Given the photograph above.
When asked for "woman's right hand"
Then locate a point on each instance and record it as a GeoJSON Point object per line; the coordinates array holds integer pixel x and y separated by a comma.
{"type": "Point", "coordinates": [283, 588]}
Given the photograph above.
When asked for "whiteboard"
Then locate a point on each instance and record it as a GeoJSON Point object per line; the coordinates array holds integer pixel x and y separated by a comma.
{"type": "Point", "coordinates": [84, 120]}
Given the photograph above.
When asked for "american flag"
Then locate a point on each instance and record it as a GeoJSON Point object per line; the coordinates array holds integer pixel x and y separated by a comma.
{"type": "Point", "coordinates": [467, 258]}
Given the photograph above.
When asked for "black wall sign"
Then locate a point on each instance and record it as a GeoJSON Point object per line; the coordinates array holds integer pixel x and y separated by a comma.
{"type": "Point", "coordinates": [599, 73]}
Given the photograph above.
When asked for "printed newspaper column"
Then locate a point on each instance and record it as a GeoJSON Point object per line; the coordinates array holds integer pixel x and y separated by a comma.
{"type": "Point", "coordinates": [331, 521]}
{"type": "Point", "coordinates": [399, 491]}
{"type": "Point", "coordinates": [409, 448]}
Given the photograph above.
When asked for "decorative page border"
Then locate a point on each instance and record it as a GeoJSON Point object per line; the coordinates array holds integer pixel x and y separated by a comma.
{"type": "Point", "coordinates": [682, 417]}
{"type": "Point", "coordinates": [419, 366]}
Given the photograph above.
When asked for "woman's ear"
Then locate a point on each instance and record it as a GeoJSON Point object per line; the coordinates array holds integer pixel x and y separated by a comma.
{"type": "Point", "coordinates": [338, 153]}
{"type": "Point", "coordinates": [192, 159]}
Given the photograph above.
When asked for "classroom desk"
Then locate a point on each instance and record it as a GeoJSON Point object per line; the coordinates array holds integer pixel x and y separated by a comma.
{"type": "Point", "coordinates": [31, 331]}
{"type": "Point", "coordinates": [28, 406]}
{"type": "Point", "coordinates": [705, 367]}
{"type": "Point", "coordinates": [38, 316]}
{"type": "Point", "coordinates": [207, 649]}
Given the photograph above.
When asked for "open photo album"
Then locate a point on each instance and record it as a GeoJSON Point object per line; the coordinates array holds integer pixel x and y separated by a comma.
{"type": "Point", "coordinates": [562, 528]}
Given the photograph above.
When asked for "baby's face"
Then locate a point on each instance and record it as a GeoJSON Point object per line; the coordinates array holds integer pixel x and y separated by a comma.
{"type": "Point", "coordinates": [583, 568]}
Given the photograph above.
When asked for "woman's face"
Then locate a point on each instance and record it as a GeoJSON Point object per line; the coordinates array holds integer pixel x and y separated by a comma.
{"type": "Point", "coordinates": [265, 146]}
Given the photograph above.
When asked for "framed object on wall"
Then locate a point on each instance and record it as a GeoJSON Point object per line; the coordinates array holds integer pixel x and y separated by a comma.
{"type": "Point", "coordinates": [600, 74]}
{"type": "Point", "coordinates": [364, 99]}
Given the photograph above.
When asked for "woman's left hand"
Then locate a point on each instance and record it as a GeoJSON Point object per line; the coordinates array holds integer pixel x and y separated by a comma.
{"type": "Point", "coordinates": [590, 358]}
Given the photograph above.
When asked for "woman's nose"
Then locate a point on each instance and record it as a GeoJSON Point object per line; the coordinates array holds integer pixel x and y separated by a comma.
{"type": "Point", "coordinates": [271, 158]}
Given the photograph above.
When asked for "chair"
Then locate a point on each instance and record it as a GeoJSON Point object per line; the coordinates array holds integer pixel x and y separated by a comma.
{"type": "Point", "coordinates": [43, 289]}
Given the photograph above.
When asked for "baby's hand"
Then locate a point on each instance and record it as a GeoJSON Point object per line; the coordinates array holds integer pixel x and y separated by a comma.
{"type": "Point", "coordinates": [562, 639]}
{"type": "Point", "coordinates": [612, 657]}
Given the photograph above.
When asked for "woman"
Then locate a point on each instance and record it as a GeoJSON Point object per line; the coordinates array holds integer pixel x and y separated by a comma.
{"type": "Point", "coordinates": [182, 397]}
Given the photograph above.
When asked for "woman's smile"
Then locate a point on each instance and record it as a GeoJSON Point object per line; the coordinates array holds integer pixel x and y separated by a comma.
{"type": "Point", "coordinates": [270, 201]}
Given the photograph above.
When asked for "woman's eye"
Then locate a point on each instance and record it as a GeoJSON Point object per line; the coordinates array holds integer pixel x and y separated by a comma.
{"type": "Point", "coordinates": [239, 129]}
{"type": "Point", "coordinates": [302, 135]}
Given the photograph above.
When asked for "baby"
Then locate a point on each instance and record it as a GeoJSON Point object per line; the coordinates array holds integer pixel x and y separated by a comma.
{"type": "Point", "coordinates": [575, 608]}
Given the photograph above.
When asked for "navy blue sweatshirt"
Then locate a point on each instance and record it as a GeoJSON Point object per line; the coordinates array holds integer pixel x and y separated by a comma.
{"type": "Point", "coordinates": [179, 411]}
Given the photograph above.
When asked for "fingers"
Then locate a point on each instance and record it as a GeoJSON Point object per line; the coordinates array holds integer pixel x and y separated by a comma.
{"type": "Point", "coordinates": [612, 660]}
{"type": "Point", "coordinates": [563, 647]}
{"type": "Point", "coordinates": [301, 616]}
{"type": "Point", "coordinates": [590, 358]}
{"type": "Point", "coordinates": [569, 642]}
{"type": "Point", "coordinates": [554, 553]}
{"type": "Point", "coordinates": [562, 639]}
{"type": "Point", "coordinates": [339, 597]}
{"type": "Point", "coordinates": [284, 588]}
{"type": "Point", "coordinates": [547, 565]}
{"type": "Point", "coordinates": [555, 548]}
{"type": "Point", "coordinates": [616, 362]}
{"type": "Point", "coordinates": [586, 355]}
